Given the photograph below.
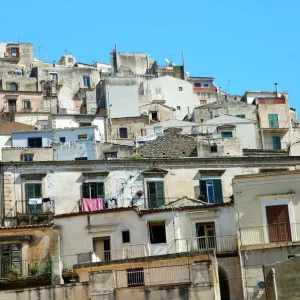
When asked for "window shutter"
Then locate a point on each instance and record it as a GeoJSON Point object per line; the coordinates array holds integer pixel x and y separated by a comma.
{"type": "Point", "coordinates": [100, 189]}
{"type": "Point", "coordinates": [160, 194]}
{"type": "Point", "coordinates": [203, 191]}
{"type": "Point", "coordinates": [85, 190]}
{"type": "Point", "coordinates": [218, 190]}
{"type": "Point", "coordinates": [16, 256]}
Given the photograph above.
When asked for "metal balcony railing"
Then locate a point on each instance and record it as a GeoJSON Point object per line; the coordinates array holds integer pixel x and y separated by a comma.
{"type": "Point", "coordinates": [261, 235]}
{"type": "Point", "coordinates": [273, 124]}
{"type": "Point", "coordinates": [43, 206]}
{"type": "Point", "coordinates": [26, 268]}
{"type": "Point", "coordinates": [152, 276]}
{"type": "Point", "coordinates": [221, 244]}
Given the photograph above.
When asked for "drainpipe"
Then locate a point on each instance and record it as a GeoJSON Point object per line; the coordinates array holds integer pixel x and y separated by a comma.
{"type": "Point", "coordinates": [274, 283]}
{"type": "Point", "coordinates": [2, 207]}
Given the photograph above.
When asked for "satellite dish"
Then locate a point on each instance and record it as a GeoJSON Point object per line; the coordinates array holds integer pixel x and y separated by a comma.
{"type": "Point", "coordinates": [260, 285]}
{"type": "Point", "coordinates": [167, 61]}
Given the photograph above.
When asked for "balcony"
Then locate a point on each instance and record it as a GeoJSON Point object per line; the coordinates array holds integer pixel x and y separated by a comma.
{"type": "Point", "coordinates": [25, 274]}
{"type": "Point", "coordinates": [275, 126]}
{"type": "Point", "coordinates": [274, 235]}
{"type": "Point", "coordinates": [220, 244]}
{"type": "Point", "coordinates": [44, 207]}
{"type": "Point", "coordinates": [152, 276]}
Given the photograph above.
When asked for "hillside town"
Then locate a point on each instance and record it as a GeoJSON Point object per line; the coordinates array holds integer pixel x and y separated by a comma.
{"type": "Point", "coordinates": [128, 179]}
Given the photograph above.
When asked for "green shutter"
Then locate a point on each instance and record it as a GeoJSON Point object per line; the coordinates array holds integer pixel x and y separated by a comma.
{"type": "Point", "coordinates": [151, 188]}
{"type": "Point", "coordinates": [160, 194]}
{"type": "Point", "coordinates": [100, 189]}
{"type": "Point", "coordinates": [218, 190]}
{"type": "Point", "coordinates": [273, 121]}
{"type": "Point", "coordinates": [85, 190]}
{"type": "Point", "coordinates": [203, 191]}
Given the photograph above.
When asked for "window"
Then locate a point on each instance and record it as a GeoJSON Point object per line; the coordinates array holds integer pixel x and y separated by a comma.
{"type": "Point", "coordinates": [273, 121]}
{"type": "Point", "coordinates": [206, 235]}
{"type": "Point", "coordinates": [180, 89]}
{"type": "Point", "coordinates": [123, 133]}
{"type": "Point", "coordinates": [276, 141]}
{"type": "Point", "coordinates": [241, 116]}
{"type": "Point", "coordinates": [26, 104]}
{"type": "Point", "coordinates": [197, 84]}
{"type": "Point", "coordinates": [154, 116]}
{"type": "Point", "coordinates": [33, 194]}
{"type": "Point", "coordinates": [12, 106]}
{"type": "Point", "coordinates": [126, 236]}
{"type": "Point", "coordinates": [10, 256]}
{"type": "Point", "coordinates": [53, 77]}
{"type": "Point", "coordinates": [70, 60]}
{"type": "Point", "coordinates": [158, 130]}
{"type": "Point", "coordinates": [44, 127]}
{"type": "Point", "coordinates": [81, 158]}
{"type": "Point", "coordinates": [135, 277]}
{"type": "Point", "coordinates": [211, 191]}
{"type": "Point", "coordinates": [157, 232]}
{"type": "Point", "coordinates": [84, 124]}
{"type": "Point", "coordinates": [93, 190]}
{"type": "Point", "coordinates": [109, 156]}
{"type": "Point", "coordinates": [178, 107]}
{"type": "Point", "coordinates": [214, 149]}
{"type": "Point", "coordinates": [14, 52]}
{"type": "Point", "coordinates": [226, 134]}
{"type": "Point", "coordinates": [62, 139]}
{"type": "Point", "coordinates": [82, 137]}
{"type": "Point", "coordinates": [13, 86]}
{"type": "Point", "coordinates": [278, 223]}
{"type": "Point", "coordinates": [86, 81]}
{"type": "Point", "coordinates": [27, 157]}
{"type": "Point", "coordinates": [35, 142]}
{"type": "Point", "coordinates": [156, 194]}
{"type": "Point", "coordinates": [102, 248]}
{"type": "Point", "coordinates": [205, 84]}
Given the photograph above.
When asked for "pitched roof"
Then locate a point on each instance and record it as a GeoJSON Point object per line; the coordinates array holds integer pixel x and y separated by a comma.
{"type": "Point", "coordinates": [185, 202]}
{"type": "Point", "coordinates": [7, 128]}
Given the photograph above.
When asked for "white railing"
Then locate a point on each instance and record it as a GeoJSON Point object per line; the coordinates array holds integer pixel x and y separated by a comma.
{"type": "Point", "coordinates": [152, 276]}
{"type": "Point", "coordinates": [261, 235]}
{"type": "Point", "coordinates": [221, 244]}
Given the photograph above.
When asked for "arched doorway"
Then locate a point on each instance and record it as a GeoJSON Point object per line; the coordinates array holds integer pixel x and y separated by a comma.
{"type": "Point", "coordinates": [224, 284]}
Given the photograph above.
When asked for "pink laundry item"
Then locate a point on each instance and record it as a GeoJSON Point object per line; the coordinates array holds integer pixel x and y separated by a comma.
{"type": "Point", "coordinates": [92, 204]}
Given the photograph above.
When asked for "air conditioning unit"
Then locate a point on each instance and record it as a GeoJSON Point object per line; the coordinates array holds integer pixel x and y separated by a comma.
{"type": "Point", "coordinates": [260, 285]}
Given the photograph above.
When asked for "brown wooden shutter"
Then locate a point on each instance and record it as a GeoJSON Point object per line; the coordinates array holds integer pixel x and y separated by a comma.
{"type": "Point", "coordinates": [278, 223]}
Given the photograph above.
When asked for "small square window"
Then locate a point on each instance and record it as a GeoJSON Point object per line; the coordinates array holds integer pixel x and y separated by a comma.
{"type": "Point", "coordinates": [82, 137]}
{"type": "Point", "coordinates": [214, 149]}
{"type": "Point", "coordinates": [84, 124]}
{"type": "Point", "coordinates": [62, 139]}
{"type": "Point", "coordinates": [26, 104]}
{"type": "Point", "coordinates": [180, 89]}
{"type": "Point", "coordinates": [13, 51]}
{"type": "Point", "coordinates": [178, 108]}
{"type": "Point", "coordinates": [157, 232]}
{"type": "Point", "coordinates": [27, 157]}
{"type": "Point", "coordinates": [70, 60]}
{"type": "Point", "coordinates": [135, 277]}
{"type": "Point", "coordinates": [126, 236]}
{"type": "Point", "coordinates": [80, 158]}
{"type": "Point", "coordinates": [197, 84]}
{"type": "Point", "coordinates": [226, 134]}
{"type": "Point", "coordinates": [205, 84]}
{"type": "Point", "coordinates": [241, 116]}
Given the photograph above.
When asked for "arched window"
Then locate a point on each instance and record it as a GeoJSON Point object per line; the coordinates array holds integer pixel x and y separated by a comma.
{"type": "Point", "coordinates": [13, 86]}
{"type": "Point", "coordinates": [123, 133]}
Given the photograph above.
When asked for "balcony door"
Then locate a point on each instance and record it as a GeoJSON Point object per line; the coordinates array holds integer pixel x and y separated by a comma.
{"type": "Point", "coordinates": [205, 235]}
{"type": "Point", "coordinates": [12, 106]}
{"type": "Point", "coordinates": [102, 248]}
{"type": "Point", "coordinates": [33, 194]}
{"type": "Point", "coordinates": [278, 223]}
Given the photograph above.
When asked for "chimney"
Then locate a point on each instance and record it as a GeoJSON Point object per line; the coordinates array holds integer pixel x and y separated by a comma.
{"type": "Point", "coordinates": [276, 88]}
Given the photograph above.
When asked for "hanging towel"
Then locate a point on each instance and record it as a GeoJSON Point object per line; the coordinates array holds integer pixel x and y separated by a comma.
{"type": "Point", "coordinates": [92, 204]}
{"type": "Point", "coordinates": [35, 201]}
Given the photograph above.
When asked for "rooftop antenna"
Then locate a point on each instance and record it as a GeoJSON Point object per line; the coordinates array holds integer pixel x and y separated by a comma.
{"type": "Point", "coordinates": [229, 82]}
{"type": "Point", "coordinates": [40, 51]}
{"type": "Point", "coordinates": [276, 89]}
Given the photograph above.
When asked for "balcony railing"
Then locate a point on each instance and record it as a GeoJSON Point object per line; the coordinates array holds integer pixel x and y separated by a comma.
{"type": "Point", "coordinates": [261, 235]}
{"type": "Point", "coordinates": [26, 268]}
{"type": "Point", "coordinates": [43, 206]}
{"type": "Point", "coordinates": [221, 244]}
{"type": "Point", "coordinates": [152, 276]}
{"type": "Point", "coordinates": [128, 251]}
{"type": "Point", "coordinates": [276, 125]}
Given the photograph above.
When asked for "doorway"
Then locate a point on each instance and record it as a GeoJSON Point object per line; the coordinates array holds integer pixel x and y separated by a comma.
{"type": "Point", "coordinates": [102, 248]}
{"type": "Point", "coordinates": [223, 283]}
{"type": "Point", "coordinates": [205, 235]}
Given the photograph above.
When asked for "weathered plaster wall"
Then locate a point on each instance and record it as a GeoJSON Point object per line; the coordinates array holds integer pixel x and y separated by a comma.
{"type": "Point", "coordinates": [39, 154]}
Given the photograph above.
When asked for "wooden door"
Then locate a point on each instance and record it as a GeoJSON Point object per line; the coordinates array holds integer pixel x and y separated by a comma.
{"type": "Point", "coordinates": [278, 223]}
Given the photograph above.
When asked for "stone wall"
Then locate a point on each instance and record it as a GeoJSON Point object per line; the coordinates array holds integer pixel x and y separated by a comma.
{"type": "Point", "coordinates": [16, 154]}
{"type": "Point", "coordinates": [169, 145]}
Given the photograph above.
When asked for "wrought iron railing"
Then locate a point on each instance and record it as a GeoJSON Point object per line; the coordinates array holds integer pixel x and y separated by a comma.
{"type": "Point", "coordinates": [34, 207]}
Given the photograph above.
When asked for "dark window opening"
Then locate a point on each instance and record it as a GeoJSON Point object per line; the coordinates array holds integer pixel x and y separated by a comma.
{"type": "Point", "coordinates": [82, 137]}
{"type": "Point", "coordinates": [93, 190]}
{"type": "Point", "coordinates": [26, 104]}
{"type": "Point", "coordinates": [205, 84]}
{"type": "Point", "coordinates": [81, 158]}
{"type": "Point", "coordinates": [157, 232]}
{"type": "Point", "coordinates": [27, 157]}
{"type": "Point", "coordinates": [214, 149]}
{"type": "Point", "coordinates": [12, 106]}
{"type": "Point", "coordinates": [86, 81]}
{"type": "Point", "coordinates": [241, 116]}
{"type": "Point", "coordinates": [10, 258]}
{"type": "Point", "coordinates": [62, 139]}
{"type": "Point", "coordinates": [84, 124]}
{"type": "Point", "coordinates": [154, 115]}
{"type": "Point", "coordinates": [14, 52]}
{"type": "Point", "coordinates": [197, 84]}
{"type": "Point", "coordinates": [226, 134]}
{"type": "Point", "coordinates": [276, 141]}
{"type": "Point", "coordinates": [180, 89]}
{"type": "Point", "coordinates": [135, 277]}
{"type": "Point", "coordinates": [35, 142]}
{"type": "Point", "coordinates": [123, 133]}
{"type": "Point", "coordinates": [126, 236]}
{"type": "Point", "coordinates": [111, 155]}
{"type": "Point", "coordinates": [70, 59]}
{"type": "Point", "coordinates": [156, 194]}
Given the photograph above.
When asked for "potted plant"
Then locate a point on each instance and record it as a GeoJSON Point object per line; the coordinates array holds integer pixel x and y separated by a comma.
{"type": "Point", "coordinates": [12, 273]}
{"type": "Point", "coordinates": [34, 270]}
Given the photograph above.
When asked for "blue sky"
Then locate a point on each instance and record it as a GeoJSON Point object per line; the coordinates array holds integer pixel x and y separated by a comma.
{"type": "Point", "coordinates": [252, 43]}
